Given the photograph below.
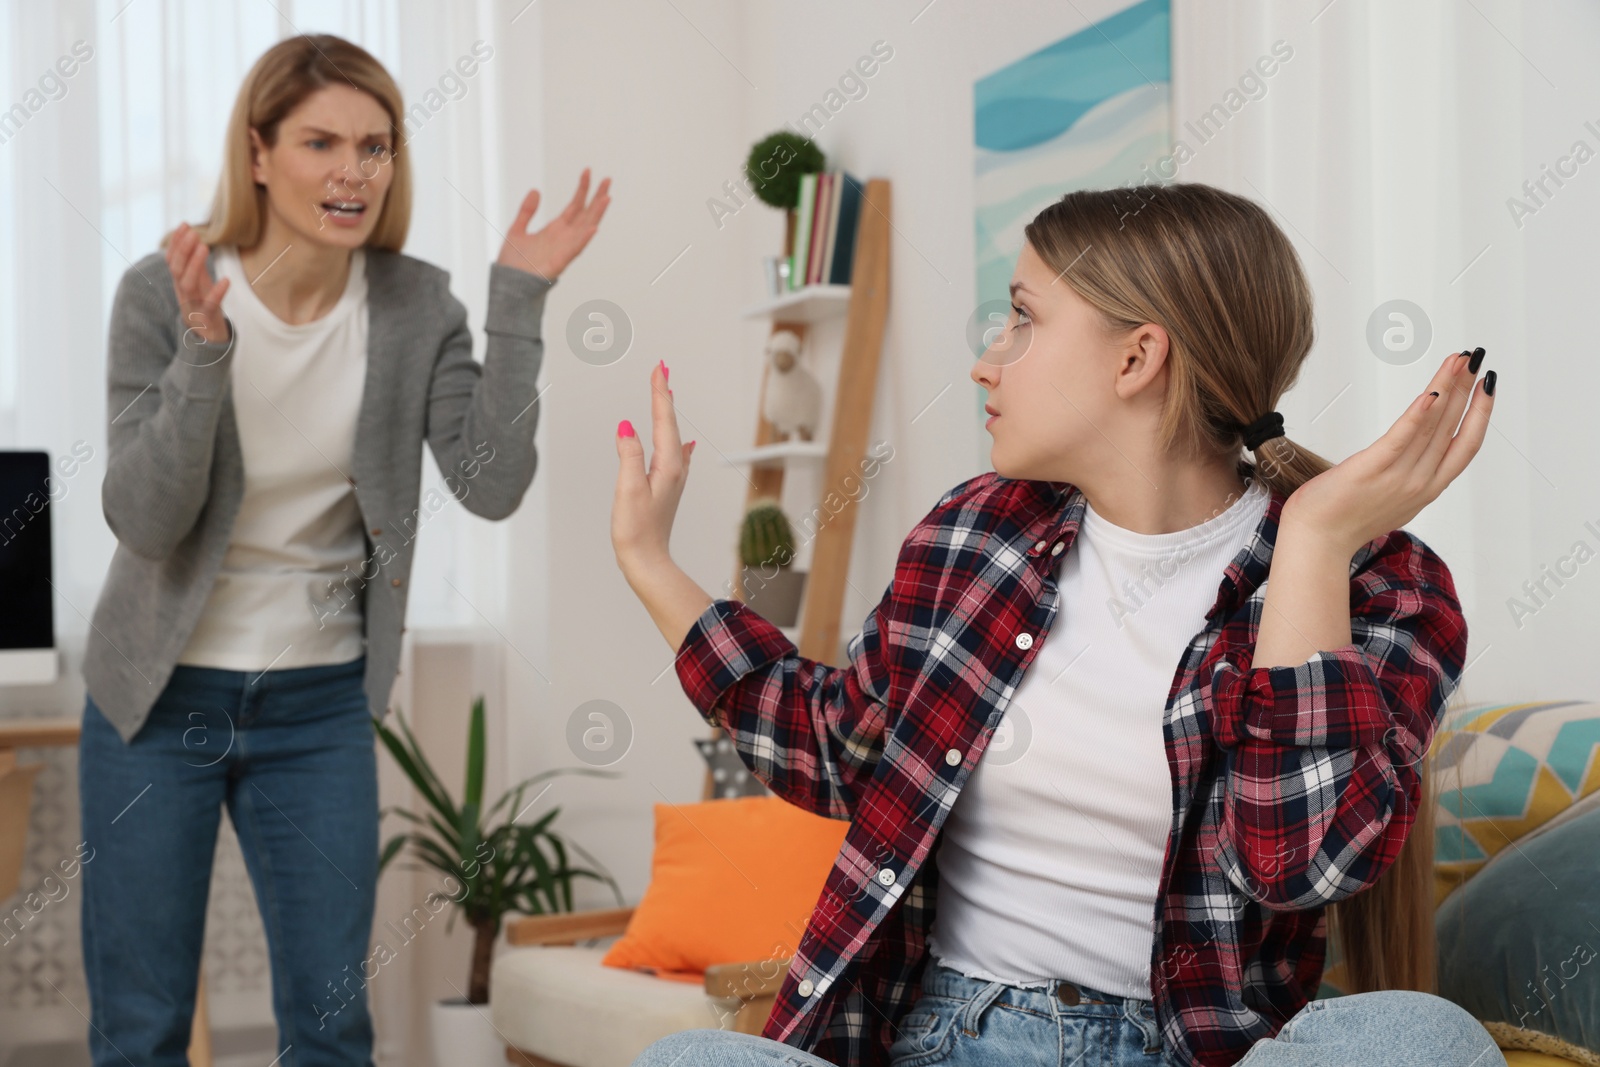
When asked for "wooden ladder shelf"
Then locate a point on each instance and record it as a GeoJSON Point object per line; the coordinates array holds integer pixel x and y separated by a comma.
{"type": "Point", "coordinates": [847, 443]}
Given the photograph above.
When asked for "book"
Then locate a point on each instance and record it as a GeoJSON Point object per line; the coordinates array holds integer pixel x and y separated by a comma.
{"type": "Point", "coordinates": [844, 244]}
{"type": "Point", "coordinates": [835, 190]}
{"type": "Point", "coordinates": [819, 230]}
{"type": "Point", "coordinates": [802, 230]}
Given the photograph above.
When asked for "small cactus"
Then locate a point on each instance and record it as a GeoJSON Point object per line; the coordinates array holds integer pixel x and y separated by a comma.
{"type": "Point", "coordinates": [766, 536]}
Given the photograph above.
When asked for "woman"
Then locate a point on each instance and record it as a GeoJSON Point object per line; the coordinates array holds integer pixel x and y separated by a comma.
{"type": "Point", "coordinates": [1110, 885]}
{"type": "Point", "coordinates": [272, 378]}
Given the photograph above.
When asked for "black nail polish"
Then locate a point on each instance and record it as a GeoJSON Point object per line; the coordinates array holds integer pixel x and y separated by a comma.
{"type": "Point", "coordinates": [1488, 383]}
{"type": "Point", "coordinates": [1476, 361]}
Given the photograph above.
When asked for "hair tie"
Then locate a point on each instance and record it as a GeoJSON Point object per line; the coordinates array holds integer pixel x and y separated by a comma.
{"type": "Point", "coordinates": [1262, 430]}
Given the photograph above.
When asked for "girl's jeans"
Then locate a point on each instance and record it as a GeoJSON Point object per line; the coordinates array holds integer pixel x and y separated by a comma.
{"type": "Point", "coordinates": [967, 1022]}
{"type": "Point", "coordinates": [290, 753]}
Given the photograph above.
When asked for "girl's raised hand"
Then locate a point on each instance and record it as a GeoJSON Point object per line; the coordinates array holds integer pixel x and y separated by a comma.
{"type": "Point", "coordinates": [199, 298]}
{"type": "Point", "coordinates": [1386, 484]}
{"type": "Point", "coordinates": [646, 499]}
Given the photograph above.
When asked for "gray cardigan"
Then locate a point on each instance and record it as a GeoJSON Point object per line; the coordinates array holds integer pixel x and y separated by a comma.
{"type": "Point", "coordinates": [175, 476]}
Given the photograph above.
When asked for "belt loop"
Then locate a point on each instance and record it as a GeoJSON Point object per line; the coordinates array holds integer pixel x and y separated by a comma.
{"type": "Point", "coordinates": [973, 1012]}
{"type": "Point", "coordinates": [1149, 1027]}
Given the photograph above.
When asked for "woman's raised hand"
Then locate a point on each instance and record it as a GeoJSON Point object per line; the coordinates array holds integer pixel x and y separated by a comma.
{"type": "Point", "coordinates": [646, 499]}
{"type": "Point", "coordinates": [548, 252]}
{"type": "Point", "coordinates": [199, 298]}
{"type": "Point", "coordinates": [1386, 484]}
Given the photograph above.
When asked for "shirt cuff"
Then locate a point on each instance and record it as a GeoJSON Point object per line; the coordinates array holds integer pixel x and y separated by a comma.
{"type": "Point", "coordinates": [726, 642]}
{"type": "Point", "coordinates": [516, 301]}
{"type": "Point", "coordinates": [1333, 699]}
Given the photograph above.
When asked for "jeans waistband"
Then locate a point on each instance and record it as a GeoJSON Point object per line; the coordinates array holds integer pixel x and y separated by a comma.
{"type": "Point", "coordinates": [945, 981]}
{"type": "Point", "coordinates": [272, 675]}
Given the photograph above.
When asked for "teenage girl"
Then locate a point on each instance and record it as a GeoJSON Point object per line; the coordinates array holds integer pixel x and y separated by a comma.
{"type": "Point", "coordinates": [272, 378]}
{"type": "Point", "coordinates": [1104, 780]}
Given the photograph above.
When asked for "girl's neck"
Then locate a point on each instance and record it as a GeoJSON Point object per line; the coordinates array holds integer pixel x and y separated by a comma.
{"type": "Point", "coordinates": [1166, 497]}
{"type": "Point", "coordinates": [298, 279]}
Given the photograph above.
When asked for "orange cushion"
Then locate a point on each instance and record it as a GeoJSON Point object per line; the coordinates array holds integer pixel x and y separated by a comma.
{"type": "Point", "coordinates": [731, 881]}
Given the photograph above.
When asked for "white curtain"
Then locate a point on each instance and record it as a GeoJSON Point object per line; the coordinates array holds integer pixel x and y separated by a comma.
{"type": "Point", "coordinates": [129, 145]}
{"type": "Point", "coordinates": [1387, 146]}
{"type": "Point", "coordinates": [95, 165]}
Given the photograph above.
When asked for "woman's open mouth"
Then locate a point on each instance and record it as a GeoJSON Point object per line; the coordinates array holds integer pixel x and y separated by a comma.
{"type": "Point", "coordinates": [344, 212]}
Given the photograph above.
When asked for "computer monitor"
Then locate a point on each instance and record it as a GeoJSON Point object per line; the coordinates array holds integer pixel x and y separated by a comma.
{"type": "Point", "coordinates": [27, 603]}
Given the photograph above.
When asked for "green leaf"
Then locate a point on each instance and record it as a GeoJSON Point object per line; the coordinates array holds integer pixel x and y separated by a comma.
{"type": "Point", "coordinates": [404, 813]}
{"type": "Point", "coordinates": [390, 850]}
{"type": "Point", "coordinates": [473, 793]}
{"type": "Point", "coordinates": [449, 841]}
{"type": "Point", "coordinates": [415, 766]}
{"type": "Point", "coordinates": [437, 790]}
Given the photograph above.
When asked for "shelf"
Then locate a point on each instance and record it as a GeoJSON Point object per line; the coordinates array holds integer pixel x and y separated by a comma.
{"type": "Point", "coordinates": [774, 455]}
{"type": "Point", "coordinates": [853, 317]}
{"type": "Point", "coordinates": [814, 303]}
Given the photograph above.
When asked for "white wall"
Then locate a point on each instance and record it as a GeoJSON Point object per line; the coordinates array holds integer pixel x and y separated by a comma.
{"type": "Point", "coordinates": [1386, 150]}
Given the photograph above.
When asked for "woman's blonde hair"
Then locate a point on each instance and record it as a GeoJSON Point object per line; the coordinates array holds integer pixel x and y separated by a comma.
{"type": "Point", "coordinates": [1217, 273]}
{"type": "Point", "coordinates": [278, 82]}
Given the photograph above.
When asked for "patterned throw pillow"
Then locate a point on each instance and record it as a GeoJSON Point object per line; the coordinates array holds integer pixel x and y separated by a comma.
{"type": "Point", "coordinates": [1504, 772]}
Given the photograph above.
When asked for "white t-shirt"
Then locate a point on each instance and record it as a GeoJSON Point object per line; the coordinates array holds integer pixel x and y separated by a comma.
{"type": "Point", "coordinates": [1050, 859]}
{"type": "Point", "coordinates": [296, 396]}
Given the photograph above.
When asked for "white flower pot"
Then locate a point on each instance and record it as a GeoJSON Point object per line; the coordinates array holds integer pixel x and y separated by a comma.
{"type": "Point", "coordinates": [463, 1036]}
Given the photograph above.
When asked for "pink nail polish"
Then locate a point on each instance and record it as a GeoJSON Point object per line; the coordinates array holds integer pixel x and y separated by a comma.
{"type": "Point", "coordinates": [666, 375]}
{"type": "Point", "coordinates": [625, 428]}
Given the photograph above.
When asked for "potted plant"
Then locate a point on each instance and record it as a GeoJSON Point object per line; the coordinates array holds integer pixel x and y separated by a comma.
{"type": "Point", "coordinates": [766, 547]}
{"type": "Point", "coordinates": [499, 868]}
{"type": "Point", "coordinates": [774, 167]}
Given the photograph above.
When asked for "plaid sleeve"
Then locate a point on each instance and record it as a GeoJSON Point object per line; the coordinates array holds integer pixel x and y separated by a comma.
{"type": "Point", "coordinates": [1321, 758]}
{"type": "Point", "coordinates": [812, 733]}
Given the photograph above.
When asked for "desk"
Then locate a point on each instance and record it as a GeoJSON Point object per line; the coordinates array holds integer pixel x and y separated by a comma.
{"type": "Point", "coordinates": [16, 787]}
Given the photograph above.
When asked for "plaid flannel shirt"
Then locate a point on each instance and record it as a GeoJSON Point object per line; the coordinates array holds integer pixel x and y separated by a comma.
{"type": "Point", "coordinates": [1293, 786]}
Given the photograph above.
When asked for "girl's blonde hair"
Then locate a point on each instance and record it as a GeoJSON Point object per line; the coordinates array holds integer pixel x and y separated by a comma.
{"type": "Point", "coordinates": [279, 82]}
{"type": "Point", "coordinates": [1224, 281]}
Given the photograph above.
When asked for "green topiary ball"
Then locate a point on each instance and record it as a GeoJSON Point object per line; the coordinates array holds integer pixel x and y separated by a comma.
{"type": "Point", "coordinates": [776, 163]}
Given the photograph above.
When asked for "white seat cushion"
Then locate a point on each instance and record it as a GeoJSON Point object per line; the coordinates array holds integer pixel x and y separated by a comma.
{"type": "Point", "coordinates": [559, 1002]}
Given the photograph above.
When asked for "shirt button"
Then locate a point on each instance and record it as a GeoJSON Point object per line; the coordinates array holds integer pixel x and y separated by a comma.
{"type": "Point", "coordinates": [1024, 641]}
{"type": "Point", "coordinates": [805, 988]}
{"type": "Point", "coordinates": [376, 531]}
{"type": "Point", "coordinates": [886, 876]}
{"type": "Point", "coordinates": [953, 757]}
{"type": "Point", "coordinates": [1039, 547]}
{"type": "Point", "coordinates": [1056, 551]}
{"type": "Point", "coordinates": [394, 581]}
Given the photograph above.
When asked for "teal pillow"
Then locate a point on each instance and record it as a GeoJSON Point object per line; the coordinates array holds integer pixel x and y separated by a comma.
{"type": "Point", "coordinates": [1519, 943]}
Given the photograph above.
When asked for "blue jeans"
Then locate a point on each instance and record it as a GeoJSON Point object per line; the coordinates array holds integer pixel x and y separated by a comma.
{"type": "Point", "coordinates": [290, 752]}
{"type": "Point", "coordinates": [967, 1022]}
